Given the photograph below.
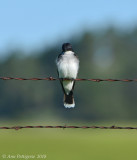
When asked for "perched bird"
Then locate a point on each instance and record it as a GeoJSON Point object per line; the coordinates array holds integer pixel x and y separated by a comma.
{"type": "Point", "coordinates": [67, 65]}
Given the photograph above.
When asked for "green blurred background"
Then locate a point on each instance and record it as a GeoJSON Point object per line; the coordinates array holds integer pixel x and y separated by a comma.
{"type": "Point", "coordinates": [107, 48]}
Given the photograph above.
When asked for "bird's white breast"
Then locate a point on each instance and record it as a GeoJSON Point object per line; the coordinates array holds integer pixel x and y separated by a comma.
{"type": "Point", "coordinates": [68, 65]}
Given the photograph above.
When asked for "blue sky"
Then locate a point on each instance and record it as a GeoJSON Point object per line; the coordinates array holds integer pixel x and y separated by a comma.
{"type": "Point", "coordinates": [32, 23]}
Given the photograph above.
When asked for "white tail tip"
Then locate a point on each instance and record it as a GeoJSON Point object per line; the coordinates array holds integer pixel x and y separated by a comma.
{"type": "Point", "coordinates": [69, 105]}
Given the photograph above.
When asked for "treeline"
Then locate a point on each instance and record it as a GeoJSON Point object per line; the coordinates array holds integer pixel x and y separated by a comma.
{"type": "Point", "coordinates": [103, 54]}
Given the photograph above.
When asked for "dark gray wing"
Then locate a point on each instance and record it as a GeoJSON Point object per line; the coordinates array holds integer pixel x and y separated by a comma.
{"type": "Point", "coordinates": [61, 80]}
{"type": "Point", "coordinates": [76, 55]}
{"type": "Point", "coordinates": [60, 56]}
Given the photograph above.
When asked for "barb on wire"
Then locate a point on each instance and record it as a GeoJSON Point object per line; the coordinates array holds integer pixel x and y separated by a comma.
{"type": "Point", "coordinates": [73, 127]}
{"type": "Point", "coordinates": [78, 79]}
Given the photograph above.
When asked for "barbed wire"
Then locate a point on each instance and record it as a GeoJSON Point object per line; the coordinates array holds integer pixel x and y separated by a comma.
{"type": "Point", "coordinates": [78, 79]}
{"type": "Point", "coordinates": [73, 127]}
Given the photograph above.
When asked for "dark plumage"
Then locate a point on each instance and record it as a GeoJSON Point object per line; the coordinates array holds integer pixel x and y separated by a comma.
{"type": "Point", "coordinates": [66, 47]}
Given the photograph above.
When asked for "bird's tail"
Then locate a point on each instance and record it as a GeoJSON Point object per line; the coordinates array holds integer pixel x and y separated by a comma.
{"type": "Point", "coordinates": [69, 100]}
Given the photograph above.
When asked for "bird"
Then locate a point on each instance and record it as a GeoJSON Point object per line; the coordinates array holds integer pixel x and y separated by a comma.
{"type": "Point", "coordinates": [67, 67]}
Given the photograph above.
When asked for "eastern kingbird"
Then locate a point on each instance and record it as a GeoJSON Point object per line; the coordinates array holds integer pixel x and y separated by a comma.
{"type": "Point", "coordinates": [67, 65]}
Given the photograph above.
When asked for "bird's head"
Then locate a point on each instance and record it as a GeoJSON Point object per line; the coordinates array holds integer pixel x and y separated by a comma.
{"type": "Point", "coordinates": [67, 47]}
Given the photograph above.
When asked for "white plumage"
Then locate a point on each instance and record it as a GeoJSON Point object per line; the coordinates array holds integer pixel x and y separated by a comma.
{"type": "Point", "coordinates": [68, 67]}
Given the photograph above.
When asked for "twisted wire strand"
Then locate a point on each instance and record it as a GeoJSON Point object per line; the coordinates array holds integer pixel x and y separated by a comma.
{"type": "Point", "coordinates": [73, 127]}
{"type": "Point", "coordinates": [78, 79]}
